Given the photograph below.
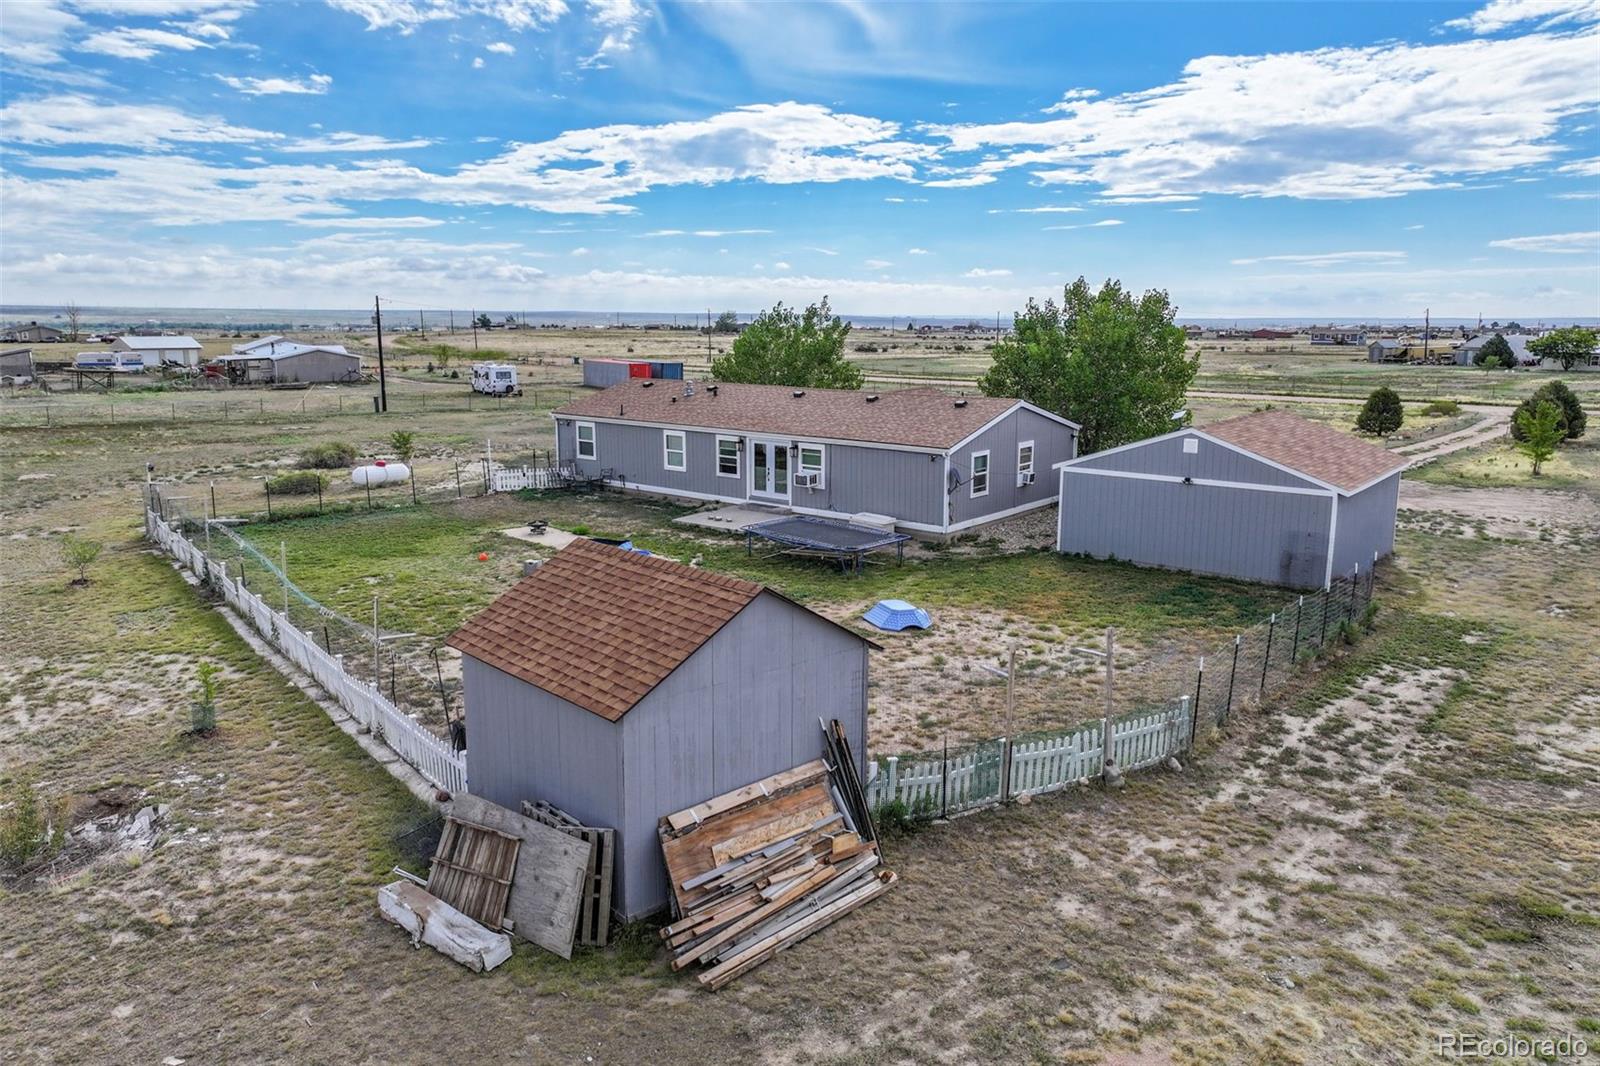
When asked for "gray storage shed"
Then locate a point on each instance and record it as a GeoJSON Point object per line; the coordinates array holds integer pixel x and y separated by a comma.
{"type": "Point", "coordinates": [622, 687]}
{"type": "Point", "coordinates": [1268, 497]}
{"type": "Point", "coordinates": [275, 361]}
{"type": "Point", "coordinates": [16, 366]}
{"type": "Point", "coordinates": [935, 463]}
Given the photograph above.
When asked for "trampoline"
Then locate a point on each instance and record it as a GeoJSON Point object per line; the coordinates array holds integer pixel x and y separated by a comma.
{"type": "Point", "coordinates": [825, 538]}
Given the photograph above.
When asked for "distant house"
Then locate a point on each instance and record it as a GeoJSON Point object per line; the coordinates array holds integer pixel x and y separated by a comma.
{"type": "Point", "coordinates": [1467, 353]}
{"type": "Point", "coordinates": [282, 362]}
{"type": "Point", "coordinates": [933, 462]}
{"type": "Point", "coordinates": [16, 366]}
{"type": "Point", "coordinates": [1270, 334]}
{"type": "Point", "coordinates": [160, 351]}
{"type": "Point", "coordinates": [32, 333]}
{"type": "Point", "coordinates": [1338, 335]}
{"type": "Point", "coordinates": [622, 687]}
{"type": "Point", "coordinates": [1386, 350]}
{"type": "Point", "coordinates": [1268, 497]}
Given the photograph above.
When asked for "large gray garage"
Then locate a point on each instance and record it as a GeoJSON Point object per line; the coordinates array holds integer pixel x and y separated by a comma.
{"type": "Point", "coordinates": [1268, 497]}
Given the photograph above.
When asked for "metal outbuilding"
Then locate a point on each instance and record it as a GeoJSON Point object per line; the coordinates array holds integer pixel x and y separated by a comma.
{"type": "Point", "coordinates": [284, 362]}
{"type": "Point", "coordinates": [1269, 497]}
{"type": "Point", "coordinates": [622, 687]}
{"type": "Point", "coordinates": [160, 351]}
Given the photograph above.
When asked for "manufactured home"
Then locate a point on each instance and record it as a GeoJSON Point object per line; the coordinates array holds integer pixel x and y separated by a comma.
{"type": "Point", "coordinates": [935, 463]}
{"type": "Point", "coordinates": [34, 333]}
{"type": "Point", "coordinates": [1268, 497]}
{"type": "Point", "coordinates": [622, 686]}
{"type": "Point", "coordinates": [160, 351]}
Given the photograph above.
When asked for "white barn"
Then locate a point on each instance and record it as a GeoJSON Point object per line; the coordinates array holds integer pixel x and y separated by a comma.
{"type": "Point", "coordinates": [161, 351]}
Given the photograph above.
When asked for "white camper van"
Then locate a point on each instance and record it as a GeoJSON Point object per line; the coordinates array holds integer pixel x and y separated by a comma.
{"type": "Point", "coordinates": [494, 379]}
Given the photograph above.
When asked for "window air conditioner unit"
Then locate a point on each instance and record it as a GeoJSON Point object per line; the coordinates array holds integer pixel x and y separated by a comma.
{"type": "Point", "coordinates": [805, 481]}
{"type": "Point", "coordinates": [1024, 477]}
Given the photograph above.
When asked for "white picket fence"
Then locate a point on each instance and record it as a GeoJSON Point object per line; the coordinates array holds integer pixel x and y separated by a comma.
{"type": "Point", "coordinates": [516, 478]}
{"type": "Point", "coordinates": [1031, 766]}
{"type": "Point", "coordinates": [432, 757]}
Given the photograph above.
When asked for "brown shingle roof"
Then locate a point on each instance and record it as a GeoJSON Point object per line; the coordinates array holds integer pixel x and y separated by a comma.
{"type": "Point", "coordinates": [918, 418]}
{"type": "Point", "coordinates": [600, 627]}
{"type": "Point", "coordinates": [1307, 447]}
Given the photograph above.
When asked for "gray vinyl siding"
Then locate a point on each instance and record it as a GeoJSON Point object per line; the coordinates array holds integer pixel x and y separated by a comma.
{"type": "Point", "coordinates": [637, 455]}
{"type": "Point", "coordinates": [1366, 525]}
{"type": "Point", "coordinates": [1212, 461]}
{"type": "Point", "coordinates": [743, 707]}
{"type": "Point", "coordinates": [1052, 442]}
{"type": "Point", "coordinates": [524, 743]}
{"type": "Point", "coordinates": [904, 485]}
{"type": "Point", "coordinates": [1279, 538]}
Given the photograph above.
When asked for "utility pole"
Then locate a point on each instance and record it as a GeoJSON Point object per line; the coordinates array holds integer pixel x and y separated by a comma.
{"type": "Point", "coordinates": [474, 329]}
{"type": "Point", "coordinates": [383, 385]}
{"type": "Point", "coordinates": [421, 328]}
{"type": "Point", "coordinates": [708, 334]}
{"type": "Point", "coordinates": [452, 322]}
{"type": "Point", "coordinates": [1425, 331]}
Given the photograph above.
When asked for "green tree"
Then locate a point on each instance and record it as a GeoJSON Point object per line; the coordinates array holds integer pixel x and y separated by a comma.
{"type": "Point", "coordinates": [727, 322]}
{"type": "Point", "coordinates": [1382, 414]}
{"type": "Point", "coordinates": [1497, 348]}
{"type": "Point", "coordinates": [785, 347]}
{"type": "Point", "coordinates": [483, 322]}
{"type": "Point", "coordinates": [1109, 360]}
{"type": "Point", "coordinates": [404, 444]}
{"type": "Point", "coordinates": [78, 553]}
{"type": "Point", "coordinates": [203, 710]}
{"type": "Point", "coordinates": [1557, 392]}
{"type": "Point", "coordinates": [1569, 346]}
{"type": "Point", "coordinates": [1541, 430]}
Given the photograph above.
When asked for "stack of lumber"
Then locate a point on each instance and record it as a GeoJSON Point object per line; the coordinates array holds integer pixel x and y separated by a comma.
{"type": "Point", "coordinates": [761, 868]}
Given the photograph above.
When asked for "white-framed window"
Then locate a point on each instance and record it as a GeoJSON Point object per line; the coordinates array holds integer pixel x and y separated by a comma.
{"type": "Point", "coordinates": [1025, 457]}
{"type": "Point", "coordinates": [728, 452]}
{"type": "Point", "coordinates": [675, 449]}
{"type": "Point", "coordinates": [811, 460]}
{"type": "Point", "coordinates": [980, 474]}
{"type": "Point", "coordinates": [586, 442]}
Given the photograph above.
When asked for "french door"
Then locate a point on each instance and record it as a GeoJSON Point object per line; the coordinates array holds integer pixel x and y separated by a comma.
{"type": "Point", "coordinates": [769, 469]}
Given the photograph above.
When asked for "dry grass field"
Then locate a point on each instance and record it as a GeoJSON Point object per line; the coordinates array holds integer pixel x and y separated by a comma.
{"type": "Point", "coordinates": [1404, 842]}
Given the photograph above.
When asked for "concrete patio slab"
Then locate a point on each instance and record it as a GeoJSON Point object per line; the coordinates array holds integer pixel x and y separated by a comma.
{"type": "Point", "coordinates": [731, 519]}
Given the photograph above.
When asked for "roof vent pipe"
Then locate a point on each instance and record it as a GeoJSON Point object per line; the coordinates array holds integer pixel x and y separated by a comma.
{"type": "Point", "coordinates": [873, 398]}
{"type": "Point", "coordinates": [712, 389]}
{"type": "Point", "coordinates": [798, 393]}
{"type": "Point", "coordinates": [961, 403]}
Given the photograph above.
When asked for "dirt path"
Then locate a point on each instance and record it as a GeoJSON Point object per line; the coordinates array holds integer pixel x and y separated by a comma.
{"type": "Point", "coordinates": [1492, 426]}
{"type": "Point", "coordinates": [1503, 505]}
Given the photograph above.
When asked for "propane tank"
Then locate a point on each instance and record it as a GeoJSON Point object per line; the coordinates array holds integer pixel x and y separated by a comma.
{"type": "Point", "coordinates": [380, 473]}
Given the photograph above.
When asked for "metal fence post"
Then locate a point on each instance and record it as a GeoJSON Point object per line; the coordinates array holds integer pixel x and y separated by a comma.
{"type": "Point", "coordinates": [1199, 676]}
{"type": "Point", "coordinates": [268, 486]}
{"type": "Point", "coordinates": [1294, 652]}
{"type": "Point", "coordinates": [1322, 637]}
{"type": "Point", "coordinates": [894, 778]}
{"type": "Point", "coordinates": [319, 493]}
{"type": "Point", "coordinates": [213, 499]}
{"type": "Point", "coordinates": [944, 780]}
{"type": "Point", "coordinates": [1266, 660]}
{"type": "Point", "coordinates": [458, 480]}
{"type": "Point", "coordinates": [1350, 602]}
{"type": "Point", "coordinates": [1228, 710]}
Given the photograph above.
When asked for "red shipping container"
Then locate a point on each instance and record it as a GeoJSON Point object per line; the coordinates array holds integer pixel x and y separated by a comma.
{"type": "Point", "coordinates": [638, 370]}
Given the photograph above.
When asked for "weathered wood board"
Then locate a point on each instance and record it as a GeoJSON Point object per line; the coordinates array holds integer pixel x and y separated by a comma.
{"type": "Point", "coordinates": [434, 922]}
{"type": "Point", "coordinates": [548, 887]}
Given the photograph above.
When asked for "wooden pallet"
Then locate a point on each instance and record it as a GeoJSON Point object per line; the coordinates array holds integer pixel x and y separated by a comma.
{"type": "Point", "coordinates": [471, 870]}
{"type": "Point", "coordinates": [594, 918]}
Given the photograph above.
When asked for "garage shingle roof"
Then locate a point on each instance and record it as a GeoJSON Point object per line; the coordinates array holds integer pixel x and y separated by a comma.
{"type": "Point", "coordinates": [1307, 447]}
{"type": "Point", "coordinates": [917, 418]}
{"type": "Point", "coordinates": [600, 626]}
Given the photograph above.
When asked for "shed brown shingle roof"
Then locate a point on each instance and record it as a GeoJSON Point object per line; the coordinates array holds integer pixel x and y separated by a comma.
{"type": "Point", "coordinates": [1308, 447]}
{"type": "Point", "coordinates": [918, 418]}
{"type": "Point", "coordinates": [600, 627]}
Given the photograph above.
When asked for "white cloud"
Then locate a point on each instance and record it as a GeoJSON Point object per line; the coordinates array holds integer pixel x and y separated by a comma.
{"type": "Point", "coordinates": [315, 85]}
{"type": "Point", "coordinates": [75, 119]}
{"type": "Point", "coordinates": [1104, 222]}
{"type": "Point", "coordinates": [1047, 209]}
{"type": "Point", "coordinates": [1584, 168]}
{"type": "Point", "coordinates": [918, 251]}
{"type": "Point", "coordinates": [1333, 123]}
{"type": "Point", "coordinates": [1070, 100]}
{"type": "Point", "coordinates": [703, 232]}
{"type": "Point", "coordinates": [1503, 14]}
{"type": "Point", "coordinates": [477, 62]}
{"type": "Point", "coordinates": [580, 251]}
{"type": "Point", "coordinates": [960, 183]}
{"type": "Point", "coordinates": [406, 15]}
{"type": "Point", "coordinates": [781, 266]}
{"type": "Point", "coordinates": [878, 264]}
{"type": "Point", "coordinates": [1415, 227]}
{"type": "Point", "coordinates": [1563, 243]}
{"type": "Point", "coordinates": [1324, 258]}
{"type": "Point", "coordinates": [351, 142]}
{"type": "Point", "coordinates": [980, 272]}
{"type": "Point", "coordinates": [1576, 196]}
{"type": "Point", "coordinates": [35, 34]}
{"type": "Point", "coordinates": [375, 222]}
{"type": "Point", "coordinates": [504, 48]}
{"type": "Point", "coordinates": [621, 21]}
{"type": "Point", "coordinates": [824, 251]}
{"type": "Point", "coordinates": [128, 42]}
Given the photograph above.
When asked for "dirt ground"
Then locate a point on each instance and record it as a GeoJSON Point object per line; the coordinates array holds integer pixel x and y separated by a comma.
{"type": "Point", "coordinates": [1403, 843]}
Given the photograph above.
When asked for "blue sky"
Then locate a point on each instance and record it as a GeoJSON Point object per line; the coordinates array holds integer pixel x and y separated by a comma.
{"type": "Point", "coordinates": [1253, 159]}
